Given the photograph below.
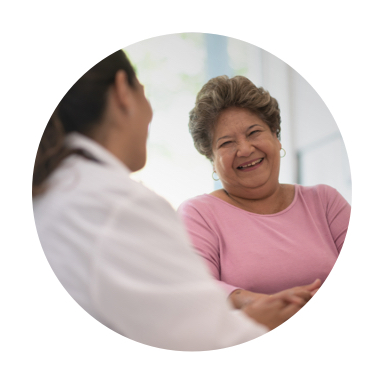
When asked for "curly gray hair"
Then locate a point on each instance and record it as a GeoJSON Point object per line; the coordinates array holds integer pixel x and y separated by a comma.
{"type": "Point", "coordinates": [222, 92]}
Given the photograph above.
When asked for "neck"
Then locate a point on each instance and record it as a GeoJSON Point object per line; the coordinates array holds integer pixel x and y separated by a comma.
{"type": "Point", "coordinates": [109, 136]}
{"type": "Point", "coordinates": [272, 202]}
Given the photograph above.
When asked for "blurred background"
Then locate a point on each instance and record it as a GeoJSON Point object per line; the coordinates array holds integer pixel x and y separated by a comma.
{"type": "Point", "coordinates": [173, 68]}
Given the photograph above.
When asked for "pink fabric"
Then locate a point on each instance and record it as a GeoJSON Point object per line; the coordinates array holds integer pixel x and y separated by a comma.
{"type": "Point", "coordinates": [269, 253]}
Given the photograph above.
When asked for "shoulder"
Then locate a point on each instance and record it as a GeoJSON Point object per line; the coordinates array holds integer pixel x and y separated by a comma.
{"type": "Point", "coordinates": [80, 185]}
{"type": "Point", "coordinates": [317, 191]}
{"type": "Point", "coordinates": [199, 203]}
{"type": "Point", "coordinates": [203, 209]}
{"type": "Point", "coordinates": [322, 194]}
{"type": "Point", "coordinates": [78, 175]}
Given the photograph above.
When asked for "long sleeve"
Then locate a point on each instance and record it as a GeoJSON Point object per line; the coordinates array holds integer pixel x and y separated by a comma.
{"type": "Point", "coordinates": [149, 285]}
{"type": "Point", "coordinates": [121, 252]}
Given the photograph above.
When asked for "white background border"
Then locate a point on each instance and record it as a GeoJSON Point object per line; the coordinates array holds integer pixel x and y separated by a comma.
{"type": "Point", "coordinates": [337, 47]}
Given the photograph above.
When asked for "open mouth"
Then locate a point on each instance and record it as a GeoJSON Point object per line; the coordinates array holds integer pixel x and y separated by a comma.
{"type": "Point", "coordinates": [252, 164]}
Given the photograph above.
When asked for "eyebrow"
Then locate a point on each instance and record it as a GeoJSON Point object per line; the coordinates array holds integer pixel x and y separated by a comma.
{"type": "Point", "coordinates": [226, 137]}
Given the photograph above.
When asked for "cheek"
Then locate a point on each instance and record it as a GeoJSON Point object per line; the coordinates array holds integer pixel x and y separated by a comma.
{"type": "Point", "coordinates": [225, 161]}
{"type": "Point", "coordinates": [272, 149]}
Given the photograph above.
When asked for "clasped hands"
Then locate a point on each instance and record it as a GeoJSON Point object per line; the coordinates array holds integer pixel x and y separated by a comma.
{"type": "Point", "coordinates": [273, 310]}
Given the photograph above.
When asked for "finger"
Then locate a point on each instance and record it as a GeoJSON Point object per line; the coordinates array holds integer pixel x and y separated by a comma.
{"type": "Point", "coordinates": [295, 299]}
{"type": "Point", "coordinates": [292, 297]}
{"type": "Point", "coordinates": [315, 285]}
{"type": "Point", "coordinates": [304, 294]}
{"type": "Point", "coordinates": [314, 291]}
{"type": "Point", "coordinates": [289, 311]}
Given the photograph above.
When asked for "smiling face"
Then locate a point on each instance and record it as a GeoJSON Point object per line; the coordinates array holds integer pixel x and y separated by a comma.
{"type": "Point", "coordinates": [246, 154]}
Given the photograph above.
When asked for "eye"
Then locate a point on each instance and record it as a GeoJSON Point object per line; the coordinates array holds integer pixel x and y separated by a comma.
{"type": "Point", "coordinates": [225, 143]}
{"type": "Point", "coordinates": [254, 132]}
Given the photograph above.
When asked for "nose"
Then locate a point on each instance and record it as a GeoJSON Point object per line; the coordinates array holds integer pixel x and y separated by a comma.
{"type": "Point", "coordinates": [244, 148]}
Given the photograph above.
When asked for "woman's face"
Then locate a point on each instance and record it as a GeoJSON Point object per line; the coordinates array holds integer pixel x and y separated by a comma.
{"type": "Point", "coordinates": [246, 154]}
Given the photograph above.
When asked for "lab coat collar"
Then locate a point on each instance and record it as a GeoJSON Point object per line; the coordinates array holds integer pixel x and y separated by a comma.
{"type": "Point", "coordinates": [95, 150]}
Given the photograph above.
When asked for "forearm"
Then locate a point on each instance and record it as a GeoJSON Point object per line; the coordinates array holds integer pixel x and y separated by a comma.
{"type": "Point", "coordinates": [241, 297]}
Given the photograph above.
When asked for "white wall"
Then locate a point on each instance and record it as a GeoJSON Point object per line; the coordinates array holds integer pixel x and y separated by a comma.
{"type": "Point", "coordinates": [317, 139]}
{"type": "Point", "coordinates": [173, 69]}
{"type": "Point", "coordinates": [315, 149]}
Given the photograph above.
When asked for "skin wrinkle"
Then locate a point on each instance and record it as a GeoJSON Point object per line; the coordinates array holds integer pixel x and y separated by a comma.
{"type": "Point", "coordinates": [221, 93]}
{"type": "Point", "coordinates": [250, 139]}
{"type": "Point", "coordinates": [242, 122]}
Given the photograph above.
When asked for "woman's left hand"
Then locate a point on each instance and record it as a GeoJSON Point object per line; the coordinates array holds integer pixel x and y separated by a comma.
{"type": "Point", "coordinates": [297, 295]}
{"type": "Point", "coordinates": [305, 292]}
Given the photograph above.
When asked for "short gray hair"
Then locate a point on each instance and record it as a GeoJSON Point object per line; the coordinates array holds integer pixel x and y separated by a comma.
{"type": "Point", "coordinates": [222, 92]}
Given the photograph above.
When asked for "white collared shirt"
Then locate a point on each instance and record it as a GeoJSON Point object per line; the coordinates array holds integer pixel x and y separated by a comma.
{"type": "Point", "coordinates": [122, 253]}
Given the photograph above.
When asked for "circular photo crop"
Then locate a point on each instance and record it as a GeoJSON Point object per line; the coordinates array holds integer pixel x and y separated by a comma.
{"type": "Point", "coordinates": [191, 192]}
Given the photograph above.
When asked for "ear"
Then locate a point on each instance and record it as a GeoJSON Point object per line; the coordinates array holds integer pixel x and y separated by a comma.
{"type": "Point", "coordinates": [277, 138]}
{"type": "Point", "coordinates": [123, 91]}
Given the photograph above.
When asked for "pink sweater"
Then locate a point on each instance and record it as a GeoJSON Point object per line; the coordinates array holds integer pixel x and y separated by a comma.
{"type": "Point", "coordinates": [269, 253]}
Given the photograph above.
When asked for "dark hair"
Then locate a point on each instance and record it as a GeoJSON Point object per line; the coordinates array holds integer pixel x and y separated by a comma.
{"type": "Point", "coordinates": [78, 111]}
{"type": "Point", "coordinates": [221, 93]}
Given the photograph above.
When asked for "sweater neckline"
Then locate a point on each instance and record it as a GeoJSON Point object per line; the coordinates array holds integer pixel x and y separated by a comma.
{"type": "Point", "coordinates": [259, 214]}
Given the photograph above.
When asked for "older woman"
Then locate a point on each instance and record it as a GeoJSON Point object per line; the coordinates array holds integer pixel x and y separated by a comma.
{"type": "Point", "coordinates": [258, 236]}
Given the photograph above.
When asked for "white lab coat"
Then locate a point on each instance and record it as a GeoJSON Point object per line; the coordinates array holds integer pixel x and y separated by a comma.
{"type": "Point", "coordinates": [122, 253]}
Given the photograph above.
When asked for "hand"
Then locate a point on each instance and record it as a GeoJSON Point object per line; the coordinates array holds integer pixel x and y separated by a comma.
{"type": "Point", "coordinates": [305, 292]}
{"type": "Point", "coordinates": [241, 297]}
{"type": "Point", "coordinates": [272, 311]}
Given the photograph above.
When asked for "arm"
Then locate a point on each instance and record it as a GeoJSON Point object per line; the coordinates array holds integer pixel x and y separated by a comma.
{"type": "Point", "coordinates": [150, 286]}
{"type": "Point", "coordinates": [205, 239]}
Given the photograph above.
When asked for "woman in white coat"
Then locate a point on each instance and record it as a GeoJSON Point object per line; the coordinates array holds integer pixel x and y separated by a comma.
{"type": "Point", "coordinates": [118, 248]}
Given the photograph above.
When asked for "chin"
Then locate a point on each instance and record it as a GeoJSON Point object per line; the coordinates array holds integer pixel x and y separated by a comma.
{"type": "Point", "coordinates": [138, 164]}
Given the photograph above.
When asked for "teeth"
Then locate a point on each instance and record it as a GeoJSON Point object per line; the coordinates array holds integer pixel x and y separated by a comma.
{"type": "Point", "coordinates": [250, 165]}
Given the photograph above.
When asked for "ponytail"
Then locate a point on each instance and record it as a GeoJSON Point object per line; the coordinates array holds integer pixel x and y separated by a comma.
{"type": "Point", "coordinates": [50, 154]}
{"type": "Point", "coordinates": [80, 108]}
{"type": "Point", "coordinates": [52, 151]}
